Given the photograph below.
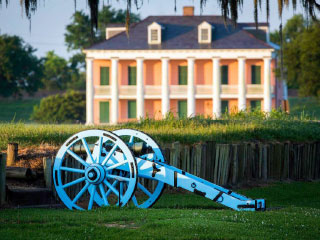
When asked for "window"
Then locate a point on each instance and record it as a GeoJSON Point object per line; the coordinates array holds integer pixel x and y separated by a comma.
{"type": "Point", "coordinates": [182, 108]}
{"type": "Point", "coordinates": [104, 76]}
{"type": "Point", "coordinates": [183, 75]}
{"type": "Point", "coordinates": [132, 109]}
{"type": "Point", "coordinates": [154, 35]}
{"type": "Point", "coordinates": [255, 104]}
{"type": "Point", "coordinates": [104, 112]}
{"type": "Point", "coordinates": [204, 34]}
{"type": "Point", "coordinates": [255, 74]}
{"type": "Point", "coordinates": [224, 106]}
{"type": "Point", "coordinates": [132, 75]}
{"type": "Point", "coordinates": [224, 74]}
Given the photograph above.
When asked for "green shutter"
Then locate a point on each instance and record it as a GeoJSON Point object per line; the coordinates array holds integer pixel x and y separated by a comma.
{"type": "Point", "coordinates": [224, 106]}
{"type": "Point", "coordinates": [183, 75]}
{"type": "Point", "coordinates": [224, 74]}
{"type": "Point", "coordinates": [104, 75]}
{"type": "Point", "coordinates": [104, 112]}
{"type": "Point", "coordinates": [182, 109]}
{"type": "Point", "coordinates": [132, 109]}
{"type": "Point", "coordinates": [255, 74]}
{"type": "Point", "coordinates": [255, 104]}
{"type": "Point", "coordinates": [132, 75]}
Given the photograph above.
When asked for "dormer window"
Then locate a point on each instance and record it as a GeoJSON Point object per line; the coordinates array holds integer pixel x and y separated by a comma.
{"type": "Point", "coordinates": [154, 33]}
{"type": "Point", "coordinates": [205, 32]}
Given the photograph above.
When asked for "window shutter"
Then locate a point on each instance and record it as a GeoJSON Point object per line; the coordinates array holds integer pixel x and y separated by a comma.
{"type": "Point", "coordinates": [104, 112]}
{"type": "Point", "coordinates": [132, 109]}
{"type": "Point", "coordinates": [255, 104]}
{"type": "Point", "coordinates": [183, 75]}
{"type": "Point", "coordinates": [132, 75]}
{"type": "Point", "coordinates": [204, 34]}
{"type": "Point", "coordinates": [154, 35]}
{"type": "Point", "coordinates": [224, 74]}
{"type": "Point", "coordinates": [255, 74]}
{"type": "Point", "coordinates": [224, 106]}
{"type": "Point", "coordinates": [104, 75]}
{"type": "Point", "coordinates": [182, 108]}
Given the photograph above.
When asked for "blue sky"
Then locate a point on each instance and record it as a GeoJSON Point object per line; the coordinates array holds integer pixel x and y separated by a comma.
{"type": "Point", "coordinates": [49, 22]}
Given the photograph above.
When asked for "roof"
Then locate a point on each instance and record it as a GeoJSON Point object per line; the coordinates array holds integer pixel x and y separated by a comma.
{"type": "Point", "coordinates": [181, 32]}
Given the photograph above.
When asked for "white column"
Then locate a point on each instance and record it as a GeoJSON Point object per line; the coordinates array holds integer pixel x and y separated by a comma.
{"type": "Point", "coordinates": [241, 84]}
{"type": "Point", "coordinates": [114, 91]}
{"type": "Point", "coordinates": [140, 89]}
{"type": "Point", "coordinates": [191, 90]}
{"type": "Point", "coordinates": [165, 99]}
{"type": "Point", "coordinates": [89, 91]}
{"type": "Point", "coordinates": [216, 87]}
{"type": "Point", "coordinates": [267, 85]}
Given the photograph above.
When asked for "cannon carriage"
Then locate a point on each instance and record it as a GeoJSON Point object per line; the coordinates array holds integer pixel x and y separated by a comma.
{"type": "Point", "coordinates": [114, 168]}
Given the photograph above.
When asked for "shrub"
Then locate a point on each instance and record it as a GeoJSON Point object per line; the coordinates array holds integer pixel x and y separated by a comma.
{"type": "Point", "coordinates": [66, 108]}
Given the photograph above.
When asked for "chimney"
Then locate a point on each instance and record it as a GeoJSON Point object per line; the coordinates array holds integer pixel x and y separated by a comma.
{"type": "Point", "coordinates": [188, 11]}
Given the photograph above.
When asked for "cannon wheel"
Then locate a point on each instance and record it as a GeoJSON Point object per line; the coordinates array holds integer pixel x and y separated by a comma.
{"type": "Point", "coordinates": [95, 171]}
{"type": "Point", "coordinates": [147, 197]}
{"type": "Point", "coordinates": [156, 155]}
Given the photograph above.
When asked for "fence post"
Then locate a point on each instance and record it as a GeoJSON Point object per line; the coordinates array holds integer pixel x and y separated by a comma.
{"type": "Point", "coordinates": [12, 154]}
{"type": "Point", "coordinates": [3, 163]}
{"type": "Point", "coordinates": [47, 163]}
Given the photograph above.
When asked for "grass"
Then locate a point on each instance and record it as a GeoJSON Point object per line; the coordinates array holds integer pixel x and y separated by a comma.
{"type": "Point", "coordinates": [178, 216]}
{"type": "Point", "coordinates": [233, 129]}
{"type": "Point", "coordinates": [17, 110]}
{"type": "Point", "coordinates": [309, 106]}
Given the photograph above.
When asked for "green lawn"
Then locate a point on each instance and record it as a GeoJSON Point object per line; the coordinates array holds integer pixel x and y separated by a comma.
{"type": "Point", "coordinates": [17, 110]}
{"type": "Point", "coordinates": [295, 214]}
{"type": "Point", "coordinates": [309, 106]}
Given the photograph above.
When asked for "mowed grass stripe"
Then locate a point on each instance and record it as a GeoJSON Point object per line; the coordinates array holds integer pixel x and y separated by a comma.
{"type": "Point", "coordinates": [177, 216]}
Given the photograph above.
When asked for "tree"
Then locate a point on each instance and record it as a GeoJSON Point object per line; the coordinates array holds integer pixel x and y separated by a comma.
{"type": "Point", "coordinates": [67, 108]}
{"type": "Point", "coordinates": [309, 79]}
{"type": "Point", "coordinates": [78, 35]}
{"type": "Point", "coordinates": [20, 70]}
{"type": "Point", "coordinates": [301, 55]}
{"type": "Point", "coordinates": [56, 72]}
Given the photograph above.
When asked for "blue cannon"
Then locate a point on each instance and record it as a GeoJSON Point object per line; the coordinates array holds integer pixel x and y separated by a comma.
{"type": "Point", "coordinates": [114, 167]}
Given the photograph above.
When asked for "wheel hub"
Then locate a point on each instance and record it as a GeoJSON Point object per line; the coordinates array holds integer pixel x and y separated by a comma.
{"type": "Point", "coordinates": [95, 174]}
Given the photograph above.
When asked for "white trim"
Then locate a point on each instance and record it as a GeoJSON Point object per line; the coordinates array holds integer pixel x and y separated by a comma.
{"type": "Point", "coordinates": [180, 53]}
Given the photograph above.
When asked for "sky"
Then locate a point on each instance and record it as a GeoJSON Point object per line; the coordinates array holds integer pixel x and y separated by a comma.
{"type": "Point", "coordinates": [49, 22]}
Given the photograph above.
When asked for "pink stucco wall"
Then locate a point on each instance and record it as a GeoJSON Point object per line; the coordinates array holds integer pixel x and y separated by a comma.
{"type": "Point", "coordinates": [203, 76]}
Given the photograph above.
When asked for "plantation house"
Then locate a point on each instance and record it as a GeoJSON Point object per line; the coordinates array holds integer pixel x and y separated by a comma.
{"type": "Point", "coordinates": [187, 65]}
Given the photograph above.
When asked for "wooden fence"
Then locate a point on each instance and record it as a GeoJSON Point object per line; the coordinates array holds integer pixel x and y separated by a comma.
{"type": "Point", "coordinates": [232, 164]}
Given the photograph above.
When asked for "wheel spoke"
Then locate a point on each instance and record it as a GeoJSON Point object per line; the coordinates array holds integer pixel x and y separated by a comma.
{"type": "Point", "coordinates": [146, 191]}
{"type": "Point", "coordinates": [103, 193]}
{"type": "Point", "coordinates": [79, 180]}
{"type": "Point", "coordinates": [134, 200]}
{"type": "Point", "coordinates": [113, 149]}
{"type": "Point", "coordinates": [92, 197]}
{"type": "Point", "coordinates": [76, 157]}
{"type": "Point", "coordinates": [99, 149]}
{"type": "Point", "coordinates": [116, 165]}
{"type": "Point", "coordinates": [119, 178]}
{"type": "Point", "coordinates": [80, 193]}
{"type": "Point", "coordinates": [131, 139]}
{"type": "Point", "coordinates": [86, 147]}
{"type": "Point", "coordinates": [76, 170]}
{"type": "Point", "coordinates": [111, 188]}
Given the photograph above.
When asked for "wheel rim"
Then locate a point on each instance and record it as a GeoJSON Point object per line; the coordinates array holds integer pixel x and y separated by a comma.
{"type": "Point", "coordinates": [150, 196]}
{"type": "Point", "coordinates": [94, 170]}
